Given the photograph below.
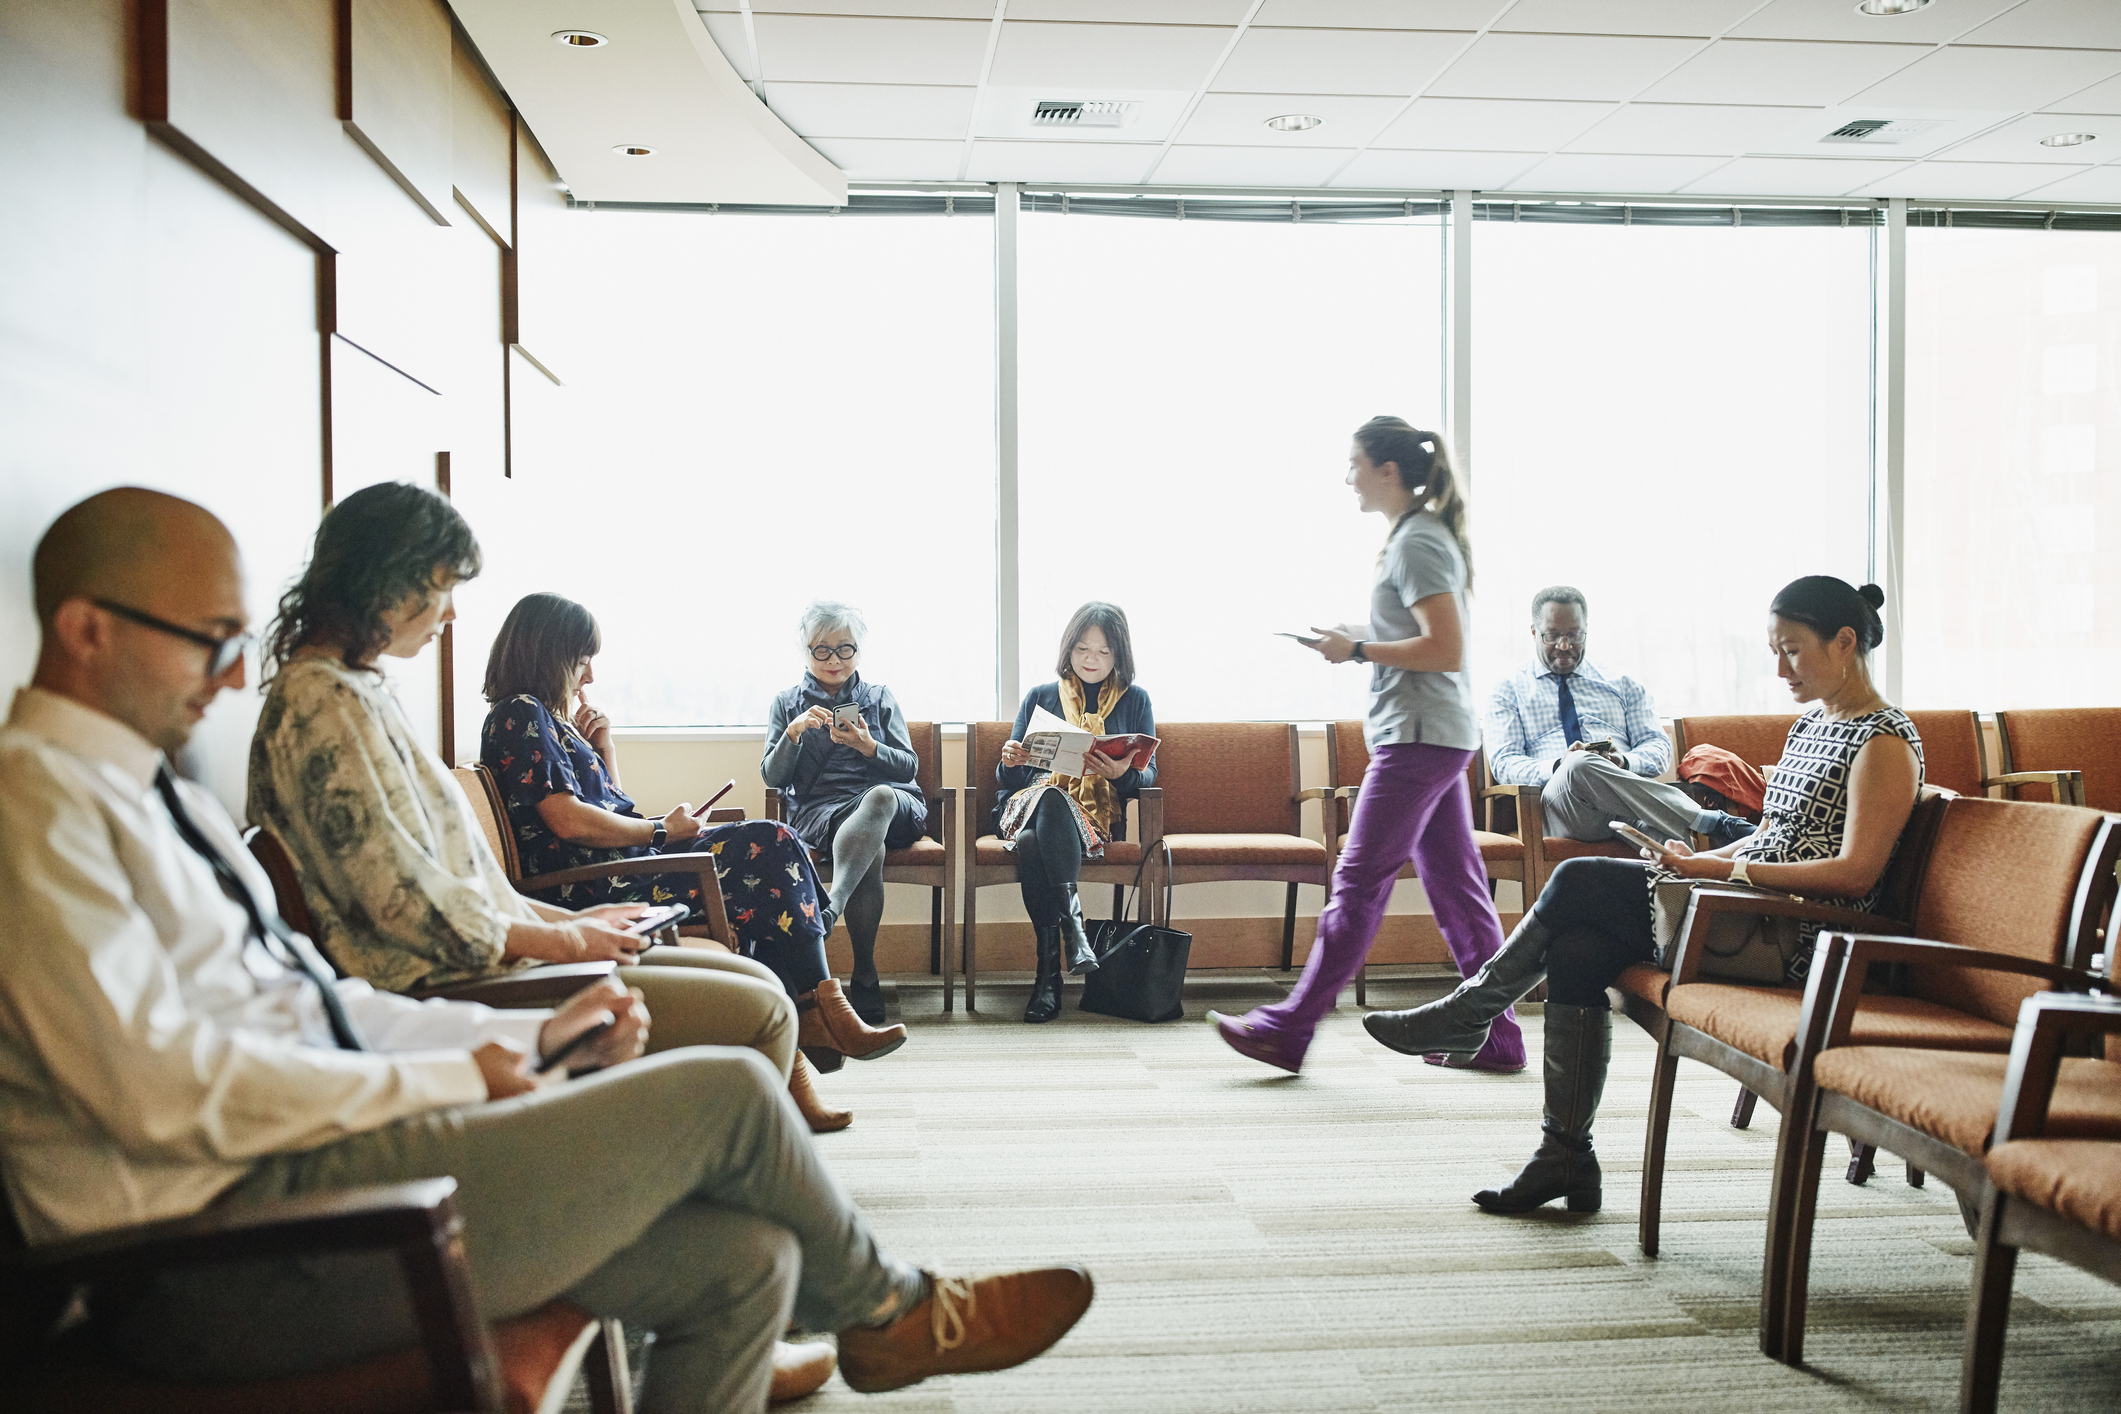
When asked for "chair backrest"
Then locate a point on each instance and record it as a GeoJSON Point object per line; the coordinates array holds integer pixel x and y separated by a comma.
{"type": "Point", "coordinates": [983, 756]}
{"type": "Point", "coordinates": [479, 788]}
{"type": "Point", "coordinates": [927, 739]}
{"type": "Point", "coordinates": [2016, 877]}
{"type": "Point", "coordinates": [1757, 739]}
{"type": "Point", "coordinates": [2083, 739]}
{"type": "Point", "coordinates": [1951, 750]}
{"type": "Point", "coordinates": [1228, 778]}
{"type": "Point", "coordinates": [279, 866]}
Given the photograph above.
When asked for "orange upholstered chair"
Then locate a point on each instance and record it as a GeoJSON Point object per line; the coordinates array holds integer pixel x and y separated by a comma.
{"type": "Point", "coordinates": [1502, 856]}
{"type": "Point", "coordinates": [1757, 738]}
{"type": "Point", "coordinates": [930, 861]}
{"type": "Point", "coordinates": [2015, 897]}
{"type": "Point", "coordinates": [988, 864]}
{"type": "Point", "coordinates": [2069, 755]}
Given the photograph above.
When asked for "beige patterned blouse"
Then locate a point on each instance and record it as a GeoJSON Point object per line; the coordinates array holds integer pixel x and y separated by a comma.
{"type": "Point", "coordinates": [399, 879]}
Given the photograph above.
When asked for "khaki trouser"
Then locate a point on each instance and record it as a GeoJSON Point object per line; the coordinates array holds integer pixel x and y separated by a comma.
{"type": "Point", "coordinates": [704, 997]}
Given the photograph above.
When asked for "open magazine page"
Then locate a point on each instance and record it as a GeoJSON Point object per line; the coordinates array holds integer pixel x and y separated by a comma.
{"type": "Point", "coordinates": [1053, 745]}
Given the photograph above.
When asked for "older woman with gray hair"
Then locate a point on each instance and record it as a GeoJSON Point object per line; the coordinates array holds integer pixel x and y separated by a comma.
{"type": "Point", "coordinates": [838, 749]}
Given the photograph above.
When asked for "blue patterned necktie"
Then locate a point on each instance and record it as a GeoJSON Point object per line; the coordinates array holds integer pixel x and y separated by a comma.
{"type": "Point", "coordinates": [1571, 724]}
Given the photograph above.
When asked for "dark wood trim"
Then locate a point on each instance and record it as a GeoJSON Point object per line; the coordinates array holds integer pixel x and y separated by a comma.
{"type": "Point", "coordinates": [446, 654]}
{"type": "Point", "coordinates": [1838, 1114]}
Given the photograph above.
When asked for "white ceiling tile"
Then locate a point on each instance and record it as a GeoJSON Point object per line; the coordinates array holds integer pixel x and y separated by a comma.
{"type": "Point", "coordinates": [1690, 127]}
{"type": "Point", "coordinates": [1840, 19]}
{"type": "Point", "coordinates": [1239, 119]}
{"type": "Point", "coordinates": [1490, 124]}
{"type": "Point", "coordinates": [880, 159]}
{"type": "Point", "coordinates": [1006, 113]}
{"type": "Point", "coordinates": [1425, 171]}
{"type": "Point", "coordinates": [1560, 66]}
{"type": "Point", "coordinates": [872, 110]}
{"type": "Point", "coordinates": [1793, 176]}
{"type": "Point", "coordinates": [2101, 184]}
{"type": "Point", "coordinates": [1036, 54]}
{"type": "Point", "coordinates": [1060, 161]}
{"type": "Point", "coordinates": [1963, 181]}
{"type": "Point", "coordinates": [1601, 175]}
{"type": "Point", "coordinates": [1781, 72]}
{"type": "Point", "coordinates": [1132, 12]}
{"type": "Point", "coordinates": [933, 9]}
{"type": "Point", "coordinates": [2099, 98]}
{"type": "Point", "coordinates": [2019, 141]}
{"type": "Point", "coordinates": [2067, 24]}
{"type": "Point", "coordinates": [1249, 166]}
{"type": "Point", "coordinates": [1699, 18]}
{"type": "Point", "coordinates": [727, 32]}
{"type": "Point", "coordinates": [836, 49]}
{"type": "Point", "coordinates": [1381, 14]}
{"type": "Point", "coordinates": [1999, 78]}
{"type": "Point", "coordinates": [1337, 60]}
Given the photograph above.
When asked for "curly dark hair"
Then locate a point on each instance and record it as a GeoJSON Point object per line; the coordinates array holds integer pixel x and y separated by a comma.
{"type": "Point", "coordinates": [373, 551]}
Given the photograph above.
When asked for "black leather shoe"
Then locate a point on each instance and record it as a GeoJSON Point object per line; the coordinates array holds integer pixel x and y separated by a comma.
{"type": "Point", "coordinates": [1046, 989]}
{"type": "Point", "coordinates": [867, 999]}
{"type": "Point", "coordinates": [1074, 941]}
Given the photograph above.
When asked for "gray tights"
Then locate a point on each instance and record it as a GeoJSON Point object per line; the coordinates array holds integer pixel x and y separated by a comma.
{"type": "Point", "coordinates": [858, 874]}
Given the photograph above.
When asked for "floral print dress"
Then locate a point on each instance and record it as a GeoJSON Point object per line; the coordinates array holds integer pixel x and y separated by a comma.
{"type": "Point", "coordinates": [769, 886]}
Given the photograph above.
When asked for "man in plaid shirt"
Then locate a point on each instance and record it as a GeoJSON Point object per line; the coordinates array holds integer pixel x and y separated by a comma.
{"type": "Point", "coordinates": [1589, 739]}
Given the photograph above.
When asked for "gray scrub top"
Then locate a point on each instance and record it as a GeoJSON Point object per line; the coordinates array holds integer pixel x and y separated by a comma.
{"type": "Point", "coordinates": [1421, 559]}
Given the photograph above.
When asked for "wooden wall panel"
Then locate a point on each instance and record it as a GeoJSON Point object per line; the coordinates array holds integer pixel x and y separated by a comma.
{"type": "Point", "coordinates": [482, 140]}
{"type": "Point", "coordinates": [394, 92]}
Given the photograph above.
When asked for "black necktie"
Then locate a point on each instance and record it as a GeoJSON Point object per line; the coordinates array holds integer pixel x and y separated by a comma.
{"type": "Point", "coordinates": [1571, 724]}
{"type": "Point", "coordinates": [293, 951]}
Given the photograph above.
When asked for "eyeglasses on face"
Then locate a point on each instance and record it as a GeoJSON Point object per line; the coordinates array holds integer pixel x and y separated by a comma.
{"type": "Point", "coordinates": [222, 653]}
{"type": "Point", "coordinates": [825, 652]}
{"type": "Point", "coordinates": [1556, 640]}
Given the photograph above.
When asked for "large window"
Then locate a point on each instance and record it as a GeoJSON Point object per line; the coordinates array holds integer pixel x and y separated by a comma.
{"type": "Point", "coordinates": [1187, 390]}
{"type": "Point", "coordinates": [758, 411]}
{"type": "Point", "coordinates": [1677, 422]}
{"type": "Point", "coordinates": [2013, 412]}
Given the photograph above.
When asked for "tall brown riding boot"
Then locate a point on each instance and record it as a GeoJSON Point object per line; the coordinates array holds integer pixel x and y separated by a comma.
{"type": "Point", "coordinates": [802, 1088]}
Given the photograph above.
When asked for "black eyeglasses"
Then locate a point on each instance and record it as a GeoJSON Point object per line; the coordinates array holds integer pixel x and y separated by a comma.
{"type": "Point", "coordinates": [1556, 640]}
{"type": "Point", "coordinates": [223, 652]}
{"type": "Point", "coordinates": [825, 655]}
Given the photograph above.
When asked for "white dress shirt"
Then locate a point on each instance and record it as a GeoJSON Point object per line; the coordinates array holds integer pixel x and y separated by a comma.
{"type": "Point", "coordinates": [150, 1050]}
{"type": "Point", "coordinates": [1525, 736]}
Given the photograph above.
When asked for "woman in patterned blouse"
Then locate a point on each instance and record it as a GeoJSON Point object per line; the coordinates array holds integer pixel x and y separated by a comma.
{"type": "Point", "coordinates": [1839, 798]}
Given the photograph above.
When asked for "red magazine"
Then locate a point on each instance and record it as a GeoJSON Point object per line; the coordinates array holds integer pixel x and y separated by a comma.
{"type": "Point", "coordinates": [1142, 748]}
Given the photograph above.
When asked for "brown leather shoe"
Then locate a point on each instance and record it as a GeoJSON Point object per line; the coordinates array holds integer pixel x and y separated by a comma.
{"type": "Point", "coordinates": [825, 1018]}
{"type": "Point", "coordinates": [799, 1370]}
{"type": "Point", "coordinates": [965, 1326]}
{"type": "Point", "coordinates": [802, 1087]}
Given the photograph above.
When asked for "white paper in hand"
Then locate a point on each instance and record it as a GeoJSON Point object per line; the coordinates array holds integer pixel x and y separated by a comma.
{"type": "Point", "coordinates": [1053, 745]}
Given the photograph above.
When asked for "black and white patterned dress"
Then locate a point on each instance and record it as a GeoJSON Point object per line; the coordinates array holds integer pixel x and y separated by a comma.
{"type": "Point", "coordinates": [1807, 808]}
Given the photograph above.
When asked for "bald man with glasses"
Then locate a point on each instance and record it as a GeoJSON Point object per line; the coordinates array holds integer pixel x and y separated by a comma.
{"type": "Point", "coordinates": [1590, 740]}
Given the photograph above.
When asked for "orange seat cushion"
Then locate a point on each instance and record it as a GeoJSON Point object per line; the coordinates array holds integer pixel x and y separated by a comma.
{"type": "Point", "coordinates": [2078, 1178]}
{"type": "Point", "coordinates": [921, 851]}
{"type": "Point", "coordinates": [1498, 847]}
{"type": "Point", "coordinates": [1557, 849]}
{"type": "Point", "coordinates": [1646, 982]}
{"type": "Point", "coordinates": [1953, 1094]}
{"type": "Point", "coordinates": [1762, 1021]}
{"type": "Point", "coordinates": [988, 852]}
{"type": "Point", "coordinates": [1246, 849]}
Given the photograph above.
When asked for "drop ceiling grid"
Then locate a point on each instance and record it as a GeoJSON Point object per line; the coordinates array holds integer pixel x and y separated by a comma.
{"type": "Point", "coordinates": [879, 80]}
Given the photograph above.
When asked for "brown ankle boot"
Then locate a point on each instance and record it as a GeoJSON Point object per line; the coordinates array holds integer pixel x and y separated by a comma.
{"type": "Point", "coordinates": [802, 1088]}
{"type": "Point", "coordinates": [966, 1326]}
{"type": "Point", "coordinates": [826, 1018]}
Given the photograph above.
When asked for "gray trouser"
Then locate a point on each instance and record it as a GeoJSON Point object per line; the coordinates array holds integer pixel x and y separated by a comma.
{"type": "Point", "coordinates": [679, 1193]}
{"type": "Point", "coordinates": [1586, 791]}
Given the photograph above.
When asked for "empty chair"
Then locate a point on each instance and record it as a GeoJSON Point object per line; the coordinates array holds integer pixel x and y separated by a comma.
{"type": "Point", "coordinates": [2068, 755]}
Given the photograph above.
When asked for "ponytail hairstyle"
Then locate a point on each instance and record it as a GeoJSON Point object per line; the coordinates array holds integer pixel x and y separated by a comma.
{"type": "Point", "coordinates": [1424, 469]}
{"type": "Point", "coordinates": [1827, 605]}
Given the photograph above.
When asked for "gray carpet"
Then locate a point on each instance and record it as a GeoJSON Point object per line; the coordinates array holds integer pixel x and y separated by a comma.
{"type": "Point", "coordinates": [1268, 1242]}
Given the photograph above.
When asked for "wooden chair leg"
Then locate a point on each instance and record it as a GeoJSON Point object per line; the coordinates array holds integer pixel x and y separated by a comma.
{"type": "Point", "coordinates": [1288, 931]}
{"type": "Point", "coordinates": [949, 966]}
{"type": "Point", "coordinates": [1663, 1079]}
{"type": "Point", "coordinates": [1362, 990]}
{"type": "Point", "coordinates": [1914, 1176]}
{"type": "Point", "coordinates": [1988, 1312]}
{"type": "Point", "coordinates": [1742, 1112]}
{"type": "Point", "coordinates": [935, 931]}
{"type": "Point", "coordinates": [1863, 1162]}
{"type": "Point", "coordinates": [1804, 1217]}
{"type": "Point", "coordinates": [968, 948]}
{"type": "Point", "coordinates": [605, 1371]}
{"type": "Point", "coordinates": [1119, 903]}
{"type": "Point", "coordinates": [1800, 1102]}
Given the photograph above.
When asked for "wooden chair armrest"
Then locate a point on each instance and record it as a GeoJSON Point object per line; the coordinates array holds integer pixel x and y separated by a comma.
{"type": "Point", "coordinates": [533, 987]}
{"type": "Point", "coordinates": [1150, 804]}
{"type": "Point", "coordinates": [2046, 1021]}
{"type": "Point", "coordinates": [1867, 948]}
{"type": "Point", "coordinates": [1499, 789]}
{"type": "Point", "coordinates": [701, 864]}
{"type": "Point", "coordinates": [725, 815]}
{"type": "Point", "coordinates": [1318, 793]}
{"type": "Point", "coordinates": [2067, 787]}
{"type": "Point", "coordinates": [1708, 903]}
{"type": "Point", "coordinates": [776, 804]}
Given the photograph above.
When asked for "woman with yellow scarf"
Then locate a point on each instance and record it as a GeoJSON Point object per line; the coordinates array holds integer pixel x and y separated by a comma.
{"type": "Point", "coordinates": [1054, 822]}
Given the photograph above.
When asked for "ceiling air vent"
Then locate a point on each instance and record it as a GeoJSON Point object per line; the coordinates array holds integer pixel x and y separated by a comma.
{"type": "Point", "coordinates": [1094, 113]}
{"type": "Point", "coordinates": [1880, 132]}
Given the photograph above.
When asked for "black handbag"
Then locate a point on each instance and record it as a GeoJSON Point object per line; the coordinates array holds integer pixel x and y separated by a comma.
{"type": "Point", "coordinates": [1141, 968]}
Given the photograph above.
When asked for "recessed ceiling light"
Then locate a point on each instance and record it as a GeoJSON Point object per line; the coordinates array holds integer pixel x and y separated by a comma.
{"type": "Point", "coordinates": [2069, 139]}
{"type": "Point", "coordinates": [1295, 122]}
{"type": "Point", "coordinates": [579, 38]}
{"type": "Point", "coordinates": [1890, 7]}
{"type": "Point", "coordinates": [628, 149]}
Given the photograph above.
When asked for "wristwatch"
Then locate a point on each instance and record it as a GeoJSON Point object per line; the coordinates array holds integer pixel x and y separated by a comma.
{"type": "Point", "coordinates": [655, 841]}
{"type": "Point", "coordinates": [1356, 652]}
{"type": "Point", "coordinates": [1738, 873]}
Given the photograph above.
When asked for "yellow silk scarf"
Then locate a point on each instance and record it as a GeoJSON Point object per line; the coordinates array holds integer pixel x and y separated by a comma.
{"type": "Point", "coordinates": [1093, 793]}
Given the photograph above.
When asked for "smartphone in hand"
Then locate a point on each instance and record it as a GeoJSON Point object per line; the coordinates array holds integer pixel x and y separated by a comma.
{"type": "Point", "coordinates": [579, 1040]}
{"type": "Point", "coordinates": [1635, 837]}
{"type": "Point", "coordinates": [713, 798]}
{"type": "Point", "coordinates": [1307, 640]}
{"type": "Point", "coordinates": [846, 716]}
{"type": "Point", "coordinates": [655, 918]}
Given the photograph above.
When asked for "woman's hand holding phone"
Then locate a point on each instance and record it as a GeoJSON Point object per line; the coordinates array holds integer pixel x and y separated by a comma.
{"type": "Point", "coordinates": [682, 824]}
{"type": "Point", "coordinates": [851, 730]}
{"type": "Point", "coordinates": [1672, 854]}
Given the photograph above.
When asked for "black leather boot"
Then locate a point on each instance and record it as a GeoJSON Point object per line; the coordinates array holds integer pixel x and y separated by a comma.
{"type": "Point", "coordinates": [1046, 989]}
{"type": "Point", "coordinates": [1074, 940]}
{"type": "Point", "coordinates": [1579, 1046]}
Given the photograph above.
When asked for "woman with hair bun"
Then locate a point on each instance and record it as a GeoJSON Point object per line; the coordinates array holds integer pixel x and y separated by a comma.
{"type": "Point", "coordinates": [1422, 731]}
{"type": "Point", "coordinates": [1847, 782]}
